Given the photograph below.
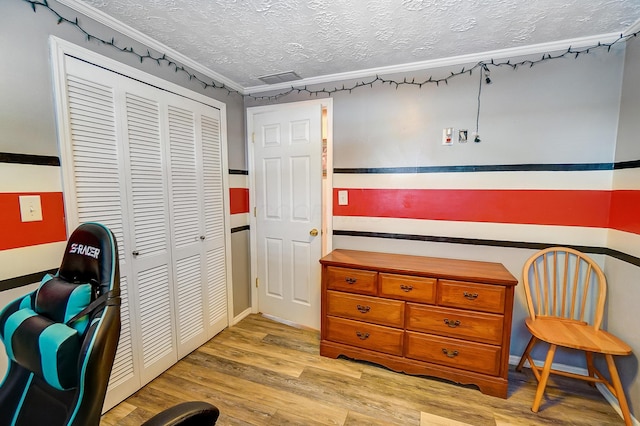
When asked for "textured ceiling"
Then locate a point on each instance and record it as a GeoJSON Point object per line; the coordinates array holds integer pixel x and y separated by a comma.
{"type": "Point", "coordinates": [244, 39]}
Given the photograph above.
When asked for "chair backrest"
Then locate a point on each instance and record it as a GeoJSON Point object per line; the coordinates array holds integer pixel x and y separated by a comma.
{"type": "Point", "coordinates": [561, 282]}
{"type": "Point", "coordinates": [59, 368]}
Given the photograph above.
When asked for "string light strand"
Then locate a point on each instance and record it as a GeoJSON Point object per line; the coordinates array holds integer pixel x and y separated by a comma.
{"type": "Point", "coordinates": [159, 59]}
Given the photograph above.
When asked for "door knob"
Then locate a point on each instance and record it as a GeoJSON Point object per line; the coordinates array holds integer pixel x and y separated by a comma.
{"type": "Point", "coordinates": [313, 232]}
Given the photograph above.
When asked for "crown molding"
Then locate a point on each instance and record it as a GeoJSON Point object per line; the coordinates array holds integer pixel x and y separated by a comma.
{"type": "Point", "coordinates": [633, 28]}
{"type": "Point", "coordinates": [443, 62]}
{"type": "Point", "coordinates": [103, 18]}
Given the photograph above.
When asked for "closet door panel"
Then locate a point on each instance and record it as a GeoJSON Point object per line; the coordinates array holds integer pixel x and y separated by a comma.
{"type": "Point", "coordinates": [214, 230]}
{"type": "Point", "coordinates": [186, 214]}
{"type": "Point", "coordinates": [149, 219]}
{"type": "Point", "coordinates": [95, 158]}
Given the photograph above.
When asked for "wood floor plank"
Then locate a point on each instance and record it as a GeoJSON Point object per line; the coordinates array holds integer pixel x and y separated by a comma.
{"type": "Point", "coordinates": [239, 340]}
{"type": "Point", "coordinates": [117, 413]}
{"type": "Point", "coordinates": [358, 419]}
{"type": "Point", "coordinates": [231, 406]}
{"type": "Point", "coordinates": [262, 372]}
{"type": "Point", "coordinates": [250, 386]}
{"type": "Point", "coordinates": [357, 396]}
{"type": "Point", "coordinates": [273, 362]}
{"type": "Point", "coordinates": [427, 419]}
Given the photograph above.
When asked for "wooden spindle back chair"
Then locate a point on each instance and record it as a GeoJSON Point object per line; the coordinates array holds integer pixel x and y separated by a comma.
{"type": "Point", "coordinates": [566, 294]}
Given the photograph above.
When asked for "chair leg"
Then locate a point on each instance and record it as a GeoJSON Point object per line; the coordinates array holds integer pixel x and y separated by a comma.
{"type": "Point", "coordinates": [617, 385]}
{"type": "Point", "coordinates": [530, 345]}
{"type": "Point", "coordinates": [590, 367]}
{"type": "Point", "coordinates": [544, 378]}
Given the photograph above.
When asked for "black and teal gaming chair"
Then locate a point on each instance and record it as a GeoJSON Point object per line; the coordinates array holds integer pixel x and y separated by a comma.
{"type": "Point", "coordinates": [61, 339]}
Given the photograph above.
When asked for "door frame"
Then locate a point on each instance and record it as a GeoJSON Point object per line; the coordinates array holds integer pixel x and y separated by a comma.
{"type": "Point", "coordinates": [327, 196]}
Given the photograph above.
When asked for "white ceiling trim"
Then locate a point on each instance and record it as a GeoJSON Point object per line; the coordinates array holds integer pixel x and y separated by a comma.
{"type": "Point", "coordinates": [136, 35]}
{"type": "Point", "coordinates": [534, 49]}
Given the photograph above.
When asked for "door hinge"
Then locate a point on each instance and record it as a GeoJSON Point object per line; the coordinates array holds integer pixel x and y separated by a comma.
{"type": "Point", "coordinates": [257, 282]}
{"type": "Point", "coordinates": [253, 137]}
{"type": "Point", "coordinates": [254, 211]}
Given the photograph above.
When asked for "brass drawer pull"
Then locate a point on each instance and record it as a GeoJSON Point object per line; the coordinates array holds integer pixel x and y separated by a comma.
{"type": "Point", "coordinates": [362, 336]}
{"type": "Point", "coordinates": [450, 354]}
{"type": "Point", "coordinates": [350, 280]}
{"type": "Point", "coordinates": [452, 324]}
{"type": "Point", "coordinates": [363, 309]}
{"type": "Point", "coordinates": [406, 288]}
{"type": "Point", "coordinates": [470, 296]}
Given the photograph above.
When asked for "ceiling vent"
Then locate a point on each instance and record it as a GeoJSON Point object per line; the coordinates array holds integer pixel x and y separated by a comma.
{"type": "Point", "coordinates": [281, 77]}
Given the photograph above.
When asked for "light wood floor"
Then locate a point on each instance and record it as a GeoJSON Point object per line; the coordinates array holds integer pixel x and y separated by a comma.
{"type": "Point", "coordinates": [262, 372]}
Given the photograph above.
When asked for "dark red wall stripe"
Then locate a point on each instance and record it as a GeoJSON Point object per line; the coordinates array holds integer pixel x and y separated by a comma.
{"type": "Point", "coordinates": [14, 233]}
{"type": "Point", "coordinates": [625, 211]}
{"type": "Point", "coordinates": [238, 200]}
{"type": "Point", "coordinates": [539, 207]}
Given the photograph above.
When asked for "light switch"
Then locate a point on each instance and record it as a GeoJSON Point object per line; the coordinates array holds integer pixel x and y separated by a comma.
{"type": "Point", "coordinates": [30, 208]}
{"type": "Point", "coordinates": [343, 198]}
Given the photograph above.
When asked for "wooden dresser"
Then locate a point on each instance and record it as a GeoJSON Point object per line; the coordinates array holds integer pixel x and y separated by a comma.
{"type": "Point", "coordinates": [429, 316]}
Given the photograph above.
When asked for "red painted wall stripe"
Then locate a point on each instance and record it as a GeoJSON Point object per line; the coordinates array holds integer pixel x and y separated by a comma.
{"type": "Point", "coordinates": [625, 211]}
{"type": "Point", "coordinates": [539, 207]}
{"type": "Point", "coordinates": [15, 234]}
{"type": "Point", "coordinates": [238, 200]}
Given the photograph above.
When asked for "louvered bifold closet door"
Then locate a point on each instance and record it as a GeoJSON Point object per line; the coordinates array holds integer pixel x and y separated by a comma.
{"type": "Point", "coordinates": [95, 157]}
{"type": "Point", "coordinates": [149, 219]}
{"type": "Point", "coordinates": [215, 273]}
{"type": "Point", "coordinates": [187, 224]}
{"type": "Point", "coordinates": [147, 163]}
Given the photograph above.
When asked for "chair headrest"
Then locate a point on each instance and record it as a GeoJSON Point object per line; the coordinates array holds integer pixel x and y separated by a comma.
{"type": "Point", "coordinates": [90, 257]}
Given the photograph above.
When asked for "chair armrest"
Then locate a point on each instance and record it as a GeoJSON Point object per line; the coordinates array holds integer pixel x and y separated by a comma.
{"type": "Point", "coordinates": [192, 413]}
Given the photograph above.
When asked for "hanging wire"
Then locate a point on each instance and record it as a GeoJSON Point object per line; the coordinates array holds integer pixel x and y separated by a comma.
{"type": "Point", "coordinates": [476, 137]}
{"type": "Point", "coordinates": [482, 65]}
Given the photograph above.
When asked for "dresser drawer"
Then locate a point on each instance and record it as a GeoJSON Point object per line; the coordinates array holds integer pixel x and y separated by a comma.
{"type": "Point", "coordinates": [455, 353]}
{"type": "Point", "coordinates": [416, 289]}
{"type": "Point", "coordinates": [478, 297]}
{"type": "Point", "coordinates": [368, 336]}
{"type": "Point", "coordinates": [366, 308]}
{"type": "Point", "coordinates": [476, 326]}
{"type": "Point", "coordinates": [352, 280]}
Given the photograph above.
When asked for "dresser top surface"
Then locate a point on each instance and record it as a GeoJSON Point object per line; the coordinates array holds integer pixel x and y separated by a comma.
{"type": "Point", "coordinates": [454, 269]}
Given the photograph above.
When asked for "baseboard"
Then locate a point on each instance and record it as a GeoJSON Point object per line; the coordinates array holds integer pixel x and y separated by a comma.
{"type": "Point", "coordinates": [612, 400]}
{"type": "Point", "coordinates": [241, 316]}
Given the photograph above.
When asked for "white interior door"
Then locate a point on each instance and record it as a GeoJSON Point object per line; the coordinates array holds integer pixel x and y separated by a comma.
{"type": "Point", "coordinates": [288, 184]}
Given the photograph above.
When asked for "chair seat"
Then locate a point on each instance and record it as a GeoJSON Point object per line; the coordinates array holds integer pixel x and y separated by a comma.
{"type": "Point", "coordinates": [576, 335]}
